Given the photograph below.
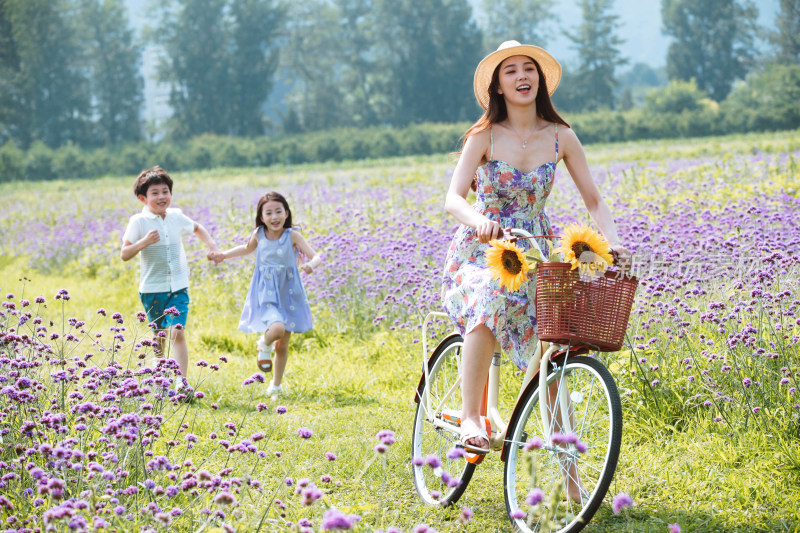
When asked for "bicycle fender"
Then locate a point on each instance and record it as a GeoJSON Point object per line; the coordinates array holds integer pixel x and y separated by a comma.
{"type": "Point", "coordinates": [418, 391]}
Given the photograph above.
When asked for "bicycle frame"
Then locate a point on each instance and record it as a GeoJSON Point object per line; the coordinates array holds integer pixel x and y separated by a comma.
{"type": "Point", "coordinates": [497, 437]}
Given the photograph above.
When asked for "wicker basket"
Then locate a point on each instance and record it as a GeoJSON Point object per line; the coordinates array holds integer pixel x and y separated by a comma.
{"type": "Point", "coordinates": [593, 312]}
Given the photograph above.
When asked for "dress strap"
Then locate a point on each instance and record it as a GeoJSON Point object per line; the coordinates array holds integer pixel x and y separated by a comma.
{"type": "Point", "coordinates": [491, 143]}
{"type": "Point", "coordinates": [556, 129]}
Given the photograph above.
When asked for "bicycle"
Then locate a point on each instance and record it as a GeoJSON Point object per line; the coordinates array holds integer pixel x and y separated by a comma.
{"type": "Point", "coordinates": [563, 436]}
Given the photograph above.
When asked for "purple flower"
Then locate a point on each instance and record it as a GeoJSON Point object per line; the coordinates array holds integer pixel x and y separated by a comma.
{"type": "Point", "coordinates": [674, 528]}
{"type": "Point", "coordinates": [280, 409]}
{"type": "Point", "coordinates": [386, 436]}
{"type": "Point", "coordinates": [330, 456]}
{"type": "Point", "coordinates": [334, 519]}
{"type": "Point", "coordinates": [534, 497]}
{"type": "Point", "coordinates": [455, 453]}
{"type": "Point", "coordinates": [224, 498]}
{"type": "Point", "coordinates": [620, 502]}
{"type": "Point", "coordinates": [433, 461]}
{"type": "Point", "coordinates": [535, 442]}
{"type": "Point", "coordinates": [305, 432]}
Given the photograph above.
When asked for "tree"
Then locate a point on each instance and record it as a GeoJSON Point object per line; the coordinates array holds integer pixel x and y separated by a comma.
{"type": "Point", "coordinates": [713, 42]}
{"type": "Point", "coordinates": [113, 61]}
{"type": "Point", "coordinates": [194, 37]}
{"type": "Point", "coordinates": [45, 92]}
{"type": "Point", "coordinates": [430, 48]}
{"type": "Point", "coordinates": [598, 49]}
{"type": "Point", "coordinates": [220, 60]}
{"type": "Point", "coordinates": [314, 60]}
{"type": "Point", "coordinates": [525, 21]}
{"type": "Point", "coordinates": [787, 37]}
{"type": "Point", "coordinates": [256, 26]}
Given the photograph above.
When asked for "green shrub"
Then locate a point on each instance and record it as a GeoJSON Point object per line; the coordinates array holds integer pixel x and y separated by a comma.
{"type": "Point", "coordinates": [39, 162]}
{"type": "Point", "coordinates": [134, 158]}
{"type": "Point", "coordinates": [100, 162]}
{"type": "Point", "coordinates": [675, 97]}
{"type": "Point", "coordinates": [69, 162]}
{"type": "Point", "coordinates": [767, 100]}
{"type": "Point", "coordinates": [230, 154]}
{"type": "Point", "coordinates": [198, 156]}
{"type": "Point", "coordinates": [169, 156]}
{"type": "Point", "coordinates": [12, 163]}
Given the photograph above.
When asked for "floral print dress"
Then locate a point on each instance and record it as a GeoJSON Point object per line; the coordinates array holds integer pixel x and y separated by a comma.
{"type": "Point", "coordinates": [469, 293]}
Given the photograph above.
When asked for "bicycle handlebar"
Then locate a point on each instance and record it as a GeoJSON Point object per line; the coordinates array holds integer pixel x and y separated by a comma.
{"type": "Point", "coordinates": [518, 233]}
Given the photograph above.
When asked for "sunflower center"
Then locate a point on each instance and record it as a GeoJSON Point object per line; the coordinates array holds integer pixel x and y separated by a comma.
{"type": "Point", "coordinates": [579, 248]}
{"type": "Point", "coordinates": [511, 262]}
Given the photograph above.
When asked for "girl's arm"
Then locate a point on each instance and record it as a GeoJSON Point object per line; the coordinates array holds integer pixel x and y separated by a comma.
{"type": "Point", "coordinates": [456, 204]}
{"type": "Point", "coordinates": [578, 167]}
{"type": "Point", "coordinates": [237, 251]}
{"type": "Point", "coordinates": [313, 257]}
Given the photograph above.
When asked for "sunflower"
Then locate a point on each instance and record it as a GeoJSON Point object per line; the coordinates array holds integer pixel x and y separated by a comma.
{"type": "Point", "coordinates": [507, 264]}
{"type": "Point", "coordinates": [584, 248]}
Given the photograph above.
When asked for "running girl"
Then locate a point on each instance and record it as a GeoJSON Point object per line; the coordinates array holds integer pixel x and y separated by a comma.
{"type": "Point", "coordinates": [276, 304]}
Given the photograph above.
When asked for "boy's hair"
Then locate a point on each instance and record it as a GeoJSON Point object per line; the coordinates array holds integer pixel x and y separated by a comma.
{"type": "Point", "coordinates": [151, 176]}
{"type": "Point", "coordinates": [277, 197]}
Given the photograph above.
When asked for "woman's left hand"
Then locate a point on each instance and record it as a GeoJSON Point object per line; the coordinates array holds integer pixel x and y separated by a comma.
{"type": "Point", "coordinates": [623, 257]}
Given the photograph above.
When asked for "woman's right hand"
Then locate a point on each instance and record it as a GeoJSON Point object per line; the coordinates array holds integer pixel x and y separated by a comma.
{"type": "Point", "coordinates": [488, 230]}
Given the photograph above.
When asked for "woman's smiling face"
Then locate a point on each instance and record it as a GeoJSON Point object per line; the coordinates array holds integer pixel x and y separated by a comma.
{"type": "Point", "coordinates": [518, 80]}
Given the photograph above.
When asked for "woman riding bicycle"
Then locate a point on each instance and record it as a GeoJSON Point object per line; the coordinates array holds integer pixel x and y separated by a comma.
{"type": "Point", "coordinates": [508, 158]}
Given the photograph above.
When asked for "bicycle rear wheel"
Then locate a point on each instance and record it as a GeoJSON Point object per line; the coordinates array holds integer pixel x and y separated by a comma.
{"type": "Point", "coordinates": [595, 413]}
{"type": "Point", "coordinates": [433, 435]}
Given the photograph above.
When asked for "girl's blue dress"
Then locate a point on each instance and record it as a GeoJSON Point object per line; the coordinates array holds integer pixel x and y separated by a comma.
{"type": "Point", "coordinates": [276, 292]}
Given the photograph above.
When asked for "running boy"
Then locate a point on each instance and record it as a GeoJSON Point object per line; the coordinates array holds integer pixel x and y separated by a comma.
{"type": "Point", "coordinates": [157, 232]}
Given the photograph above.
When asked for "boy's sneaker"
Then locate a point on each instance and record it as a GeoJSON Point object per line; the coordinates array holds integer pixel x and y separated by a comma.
{"type": "Point", "coordinates": [182, 387]}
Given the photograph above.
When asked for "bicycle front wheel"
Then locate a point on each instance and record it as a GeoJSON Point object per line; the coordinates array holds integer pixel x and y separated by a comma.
{"type": "Point", "coordinates": [557, 485]}
{"type": "Point", "coordinates": [439, 480]}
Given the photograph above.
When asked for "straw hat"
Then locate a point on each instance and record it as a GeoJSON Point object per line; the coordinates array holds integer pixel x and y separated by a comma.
{"type": "Point", "coordinates": [483, 74]}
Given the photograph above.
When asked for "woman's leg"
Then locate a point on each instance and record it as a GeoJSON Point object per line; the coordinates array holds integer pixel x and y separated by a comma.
{"type": "Point", "coordinates": [281, 358]}
{"type": "Point", "coordinates": [479, 346]}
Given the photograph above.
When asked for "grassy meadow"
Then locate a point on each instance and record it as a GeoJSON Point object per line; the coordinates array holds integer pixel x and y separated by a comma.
{"type": "Point", "coordinates": [90, 437]}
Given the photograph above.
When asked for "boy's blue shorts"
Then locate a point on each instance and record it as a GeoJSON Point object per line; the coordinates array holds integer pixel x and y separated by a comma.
{"type": "Point", "coordinates": [155, 303]}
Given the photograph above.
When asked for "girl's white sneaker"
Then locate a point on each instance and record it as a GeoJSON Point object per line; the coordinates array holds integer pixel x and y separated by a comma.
{"type": "Point", "coordinates": [274, 389]}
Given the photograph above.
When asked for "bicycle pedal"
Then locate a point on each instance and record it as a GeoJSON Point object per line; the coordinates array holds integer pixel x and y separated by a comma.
{"type": "Point", "coordinates": [452, 416]}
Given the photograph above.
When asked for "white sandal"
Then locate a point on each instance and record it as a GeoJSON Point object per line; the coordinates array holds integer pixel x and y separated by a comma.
{"type": "Point", "coordinates": [264, 358]}
{"type": "Point", "coordinates": [477, 433]}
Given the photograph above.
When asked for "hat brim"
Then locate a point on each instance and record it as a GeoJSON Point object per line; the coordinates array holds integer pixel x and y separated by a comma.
{"type": "Point", "coordinates": [483, 74]}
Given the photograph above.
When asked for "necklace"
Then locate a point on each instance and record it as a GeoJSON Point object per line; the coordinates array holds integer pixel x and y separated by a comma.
{"type": "Point", "coordinates": [525, 140]}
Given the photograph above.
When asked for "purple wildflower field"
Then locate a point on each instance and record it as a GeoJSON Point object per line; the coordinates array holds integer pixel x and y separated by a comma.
{"type": "Point", "coordinates": [94, 435]}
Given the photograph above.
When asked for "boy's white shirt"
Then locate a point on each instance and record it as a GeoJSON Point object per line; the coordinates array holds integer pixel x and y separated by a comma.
{"type": "Point", "coordinates": [163, 265]}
